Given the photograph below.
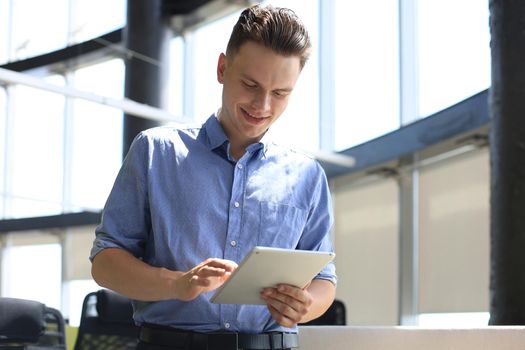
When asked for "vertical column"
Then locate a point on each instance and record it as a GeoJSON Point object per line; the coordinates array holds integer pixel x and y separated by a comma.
{"type": "Point", "coordinates": [507, 151]}
{"type": "Point", "coordinates": [327, 108]}
{"type": "Point", "coordinates": [146, 37]}
{"type": "Point", "coordinates": [408, 180]}
{"type": "Point", "coordinates": [408, 62]}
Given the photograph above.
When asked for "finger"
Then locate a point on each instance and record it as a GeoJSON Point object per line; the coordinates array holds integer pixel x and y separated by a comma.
{"type": "Point", "coordinates": [197, 281]}
{"type": "Point", "coordinates": [208, 271]}
{"type": "Point", "coordinates": [289, 300]}
{"type": "Point", "coordinates": [281, 319]}
{"type": "Point", "coordinates": [227, 265]}
{"type": "Point", "coordinates": [285, 305]}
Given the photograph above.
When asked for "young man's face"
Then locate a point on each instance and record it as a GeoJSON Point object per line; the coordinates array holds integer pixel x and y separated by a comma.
{"type": "Point", "coordinates": [257, 85]}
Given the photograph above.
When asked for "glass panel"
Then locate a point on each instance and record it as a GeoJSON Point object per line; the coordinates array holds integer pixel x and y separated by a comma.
{"type": "Point", "coordinates": [97, 135]}
{"type": "Point", "coordinates": [77, 270]}
{"type": "Point", "coordinates": [78, 242]}
{"type": "Point", "coordinates": [34, 33]}
{"type": "Point", "coordinates": [454, 52]}
{"type": "Point", "coordinates": [209, 42]}
{"type": "Point", "coordinates": [93, 18]}
{"type": "Point", "coordinates": [4, 31]}
{"type": "Point", "coordinates": [303, 108]}
{"type": "Point", "coordinates": [176, 81]}
{"type": "Point", "coordinates": [37, 160]}
{"type": "Point", "coordinates": [22, 208]}
{"type": "Point", "coordinates": [366, 70]}
{"type": "Point", "coordinates": [366, 235]}
{"type": "Point", "coordinates": [104, 79]}
{"type": "Point", "coordinates": [454, 235]}
{"type": "Point", "coordinates": [75, 291]}
{"type": "Point", "coordinates": [33, 272]}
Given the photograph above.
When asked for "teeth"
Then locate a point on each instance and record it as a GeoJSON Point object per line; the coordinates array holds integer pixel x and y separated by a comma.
{"type": "Point", "coordinates": [251, 115]}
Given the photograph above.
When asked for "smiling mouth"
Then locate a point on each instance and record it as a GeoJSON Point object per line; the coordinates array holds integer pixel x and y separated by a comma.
{"type": "Point", "coordinates": [252, 119]}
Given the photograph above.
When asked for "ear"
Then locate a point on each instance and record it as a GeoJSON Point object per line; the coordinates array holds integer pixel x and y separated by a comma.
{"type": "Point", "coordinates": [221, 68]}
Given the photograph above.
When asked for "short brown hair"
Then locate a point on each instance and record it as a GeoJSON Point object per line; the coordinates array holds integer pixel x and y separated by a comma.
{"type": "Point", "coordinates": [276, 28]}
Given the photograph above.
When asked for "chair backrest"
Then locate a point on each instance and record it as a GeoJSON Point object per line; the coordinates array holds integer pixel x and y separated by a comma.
{"type": "Point", "coordinates": [106, 322]}
{"type": "Point", "coordinates": [334, 316]}
{"type": "Point", "coordinates": [28, 324]}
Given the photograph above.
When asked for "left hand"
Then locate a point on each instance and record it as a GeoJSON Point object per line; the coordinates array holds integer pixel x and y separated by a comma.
{"type": "Point", "coordinates": [287, 304]}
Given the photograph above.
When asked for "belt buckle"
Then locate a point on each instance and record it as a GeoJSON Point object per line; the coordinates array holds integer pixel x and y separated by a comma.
{"type": "Point", "coordinates": [276, 340]}
{"type": "Point", "coordinates": [223, 341]}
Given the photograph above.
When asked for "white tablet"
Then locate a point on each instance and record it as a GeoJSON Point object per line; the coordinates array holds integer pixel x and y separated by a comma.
{"type": "Point", "coordinates": [266, 267]}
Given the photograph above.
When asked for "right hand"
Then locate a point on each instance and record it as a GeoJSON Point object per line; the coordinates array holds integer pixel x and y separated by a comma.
{"type": "Point", "coordinates": [206, 276]}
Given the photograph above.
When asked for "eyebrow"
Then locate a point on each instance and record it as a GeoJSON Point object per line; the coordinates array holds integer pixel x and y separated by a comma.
{"type": "Point", "coordinates": [247, 77]}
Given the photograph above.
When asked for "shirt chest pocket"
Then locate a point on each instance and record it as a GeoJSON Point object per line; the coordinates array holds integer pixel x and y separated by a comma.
{"type": "Point", "coordinates": [280, 225]}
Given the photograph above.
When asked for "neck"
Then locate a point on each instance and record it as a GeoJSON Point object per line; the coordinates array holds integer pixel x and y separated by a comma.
{"type": "Point", "coordinates": [237, 152]}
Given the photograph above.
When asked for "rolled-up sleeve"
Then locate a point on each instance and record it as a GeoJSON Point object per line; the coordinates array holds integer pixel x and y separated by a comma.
{"type": "Point", "coordinates": [126, 221]}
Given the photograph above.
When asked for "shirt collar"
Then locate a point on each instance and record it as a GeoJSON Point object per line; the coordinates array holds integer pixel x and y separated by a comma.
{"type": "Point", "coordinates": [216, 135]}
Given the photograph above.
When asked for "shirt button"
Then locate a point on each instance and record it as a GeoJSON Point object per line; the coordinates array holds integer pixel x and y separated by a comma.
{"type": "Point", "coordinates": [239, 166]}
{"type": "Point", "coordinates": [233, 243]}
{"type": "Point", "coordinates": [227, 325]}
{"type": "Point", "coordinates": [236, 204]}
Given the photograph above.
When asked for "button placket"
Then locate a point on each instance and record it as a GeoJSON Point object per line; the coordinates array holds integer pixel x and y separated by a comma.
{"type": "Point", "coordinates": [231, 250]}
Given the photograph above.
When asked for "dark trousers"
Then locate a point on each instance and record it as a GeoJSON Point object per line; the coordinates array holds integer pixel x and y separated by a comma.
{"type": "Point", "coordinates": [155, 338]}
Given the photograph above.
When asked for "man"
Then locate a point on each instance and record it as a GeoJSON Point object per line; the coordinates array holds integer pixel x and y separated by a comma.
{"type": "Point", "coordinates": [190, 203]}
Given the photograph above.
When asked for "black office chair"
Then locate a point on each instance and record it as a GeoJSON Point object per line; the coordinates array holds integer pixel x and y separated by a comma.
{"type": "Point", "coordinates": [106, 323]}
{"type": "Point", "coordinates": [30, 325]}
{"type": "Point", "coordinates": [334, 316]}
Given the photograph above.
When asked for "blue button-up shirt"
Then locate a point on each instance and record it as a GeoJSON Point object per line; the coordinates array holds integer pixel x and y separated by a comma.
{"type": "Point", "coordinates": [179, 199]}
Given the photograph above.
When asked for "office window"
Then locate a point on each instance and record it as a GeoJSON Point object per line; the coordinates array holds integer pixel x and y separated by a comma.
{"type": "Point", "coordinates": [37, 151]}
{"type": "Point", "coordinates": [77, 243]}
{"type": "Point", "coordinates": [32, 270]}
{"type": "Point", "coordinates": [34, 30]}
{"type": "Point", "coordinates": [4, 31]}
{"type": "Point", "coordinates": [175, 96]}
{"type": "Point", "coordinates": [366, 70]}
{"type": "Point", "coordinates": [208, 42]}
{"type": "Point", "coordinates": [454, 52]}
{"type": "Point", "coordinates": [93, 18]}
{"type": "Point", "coordinates": [77, 291]}
{"type": "Point", "coordinates": [97, 135]}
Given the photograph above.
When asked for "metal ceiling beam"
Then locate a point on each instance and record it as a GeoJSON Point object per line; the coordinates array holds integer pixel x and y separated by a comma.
{"type": "Point", "coordinates": [50, 222]}
{"type": "Point", "coordinates": [83, 53]}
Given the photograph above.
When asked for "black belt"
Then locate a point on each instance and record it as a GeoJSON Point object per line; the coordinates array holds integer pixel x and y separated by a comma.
{"type": "Point", "coordinates": [178, 339]}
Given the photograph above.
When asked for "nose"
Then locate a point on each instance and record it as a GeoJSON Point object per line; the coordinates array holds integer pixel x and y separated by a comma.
{"type": "Point", "coordinates": [261, 101]}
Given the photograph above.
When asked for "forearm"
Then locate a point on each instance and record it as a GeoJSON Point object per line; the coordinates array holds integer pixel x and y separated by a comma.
{"type": "Point", "coordinates": [323, 294]}
{"type": "Point", "coordinates": [120, 271]}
